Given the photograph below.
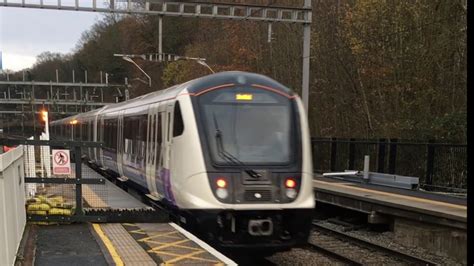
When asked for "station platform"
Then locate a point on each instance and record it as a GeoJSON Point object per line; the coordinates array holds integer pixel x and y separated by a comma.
{"type": "Point", "coordinates": [108, 196]}
{"type": "Point", "coordinates": [117, 244]}
{"type": "Point", "coordinates": [416, 205]}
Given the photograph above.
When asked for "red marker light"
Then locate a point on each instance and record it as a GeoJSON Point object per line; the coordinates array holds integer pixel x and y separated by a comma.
{"type": "Point", "coordinates": [221, 183]}
{"type": "Point", "coordinates": [290, 183]}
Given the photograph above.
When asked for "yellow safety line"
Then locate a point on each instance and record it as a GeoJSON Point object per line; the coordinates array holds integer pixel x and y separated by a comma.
{"type": "Point", "coordinates": [108, 244]}
{"type": "Point", "coordinates": [182, 257]}
{"type": "Point", "coordinates": [92, 198]}
{"type": "Point", "coordinates": [395, 195]}
{"type": "Point", "coordinates": [165, 245]}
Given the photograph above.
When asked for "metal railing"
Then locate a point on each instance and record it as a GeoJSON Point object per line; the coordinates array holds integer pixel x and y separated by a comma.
{"type": "Point", "coordinates": [440, 166]}
{"type": "Point", "coordinates": [58, 198]}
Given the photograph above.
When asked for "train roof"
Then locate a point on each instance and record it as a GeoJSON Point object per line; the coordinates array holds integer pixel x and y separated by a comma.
{"type": "Point", "coordinates": [192, 87]}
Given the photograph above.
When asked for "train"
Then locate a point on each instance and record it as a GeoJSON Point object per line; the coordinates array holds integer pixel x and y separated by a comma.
{"type": "Point", "coordinates": [229, 152]}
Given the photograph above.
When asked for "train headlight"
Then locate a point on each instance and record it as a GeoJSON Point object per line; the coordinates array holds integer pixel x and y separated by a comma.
{"type": "Point", "coordinates": [290, 183]}
{"type": "Point", "coordinates": [291, 187]}
{"type": "Point", "coordinates": [221, 183]}
{"type": "Point", "coordinates": [222, 193]}
{"type": "Point", "coordinates": [221, 190]}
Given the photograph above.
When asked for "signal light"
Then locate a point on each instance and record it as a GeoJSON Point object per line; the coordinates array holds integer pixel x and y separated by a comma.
{"type": "Point", "coordinates": [221, 183]}
{"type": "Point", "coordinates": [290, 183]}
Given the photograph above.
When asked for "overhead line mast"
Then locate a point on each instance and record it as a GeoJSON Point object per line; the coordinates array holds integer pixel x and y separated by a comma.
{"type": "Point", "coordinates": [260, 13]}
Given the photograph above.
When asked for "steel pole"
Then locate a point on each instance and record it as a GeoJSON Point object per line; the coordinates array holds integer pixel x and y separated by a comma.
{"type": "Point", "coordinates": [306, 55]}
{"type": "Point", "coordinates": [160, 38]}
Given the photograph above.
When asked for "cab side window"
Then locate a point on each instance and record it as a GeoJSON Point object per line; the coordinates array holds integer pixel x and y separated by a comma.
{"type": "Point", "coordinates": [178, 125]}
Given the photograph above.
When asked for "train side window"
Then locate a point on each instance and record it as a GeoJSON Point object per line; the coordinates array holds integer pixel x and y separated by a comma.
{"type": "Point", "coordinates": [160, 129]}
{"type": "Point", "coordinates": [114, 134]}
{"type": "Point", "coordinates": [178, 125]}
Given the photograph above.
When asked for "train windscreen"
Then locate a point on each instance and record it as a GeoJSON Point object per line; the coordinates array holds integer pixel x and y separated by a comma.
{"type": "Point", "coordinates": [248, 126]}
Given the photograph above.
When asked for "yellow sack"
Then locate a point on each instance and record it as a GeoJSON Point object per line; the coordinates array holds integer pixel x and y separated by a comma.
{"type": "Point", "coordinates": [57, 211]}
{"type": "Point", "coordinates": [57, 199]}
{"type": "Point", "coordinates": [41, 198]}
{"type": "Point", "coordinates": [38, 212]}
{"type": "Point", "coordinates": [33, 200]}
{"type": "Point", "coordinates": [38, 207]}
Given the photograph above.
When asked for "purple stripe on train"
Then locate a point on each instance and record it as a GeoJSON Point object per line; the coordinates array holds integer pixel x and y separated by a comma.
{"type": "Point", "coordinates": [165, 175]}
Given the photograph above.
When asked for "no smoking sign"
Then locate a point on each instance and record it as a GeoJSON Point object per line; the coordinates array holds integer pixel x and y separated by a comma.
{"type": "Point", "coordinates": [61, 162]}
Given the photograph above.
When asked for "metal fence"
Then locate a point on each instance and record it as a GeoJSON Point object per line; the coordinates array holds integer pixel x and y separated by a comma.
{"type": "Point", "coordinates": [440, 166]}
{"type": "Point", "coordinates": [60, 198]}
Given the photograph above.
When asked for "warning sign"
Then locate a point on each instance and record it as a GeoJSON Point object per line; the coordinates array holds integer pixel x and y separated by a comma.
{"type": "Point", "coordinates": [61, 162]}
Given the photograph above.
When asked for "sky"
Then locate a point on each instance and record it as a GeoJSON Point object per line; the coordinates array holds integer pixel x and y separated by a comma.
{"type": "Point", "coordinates": [25, 33]}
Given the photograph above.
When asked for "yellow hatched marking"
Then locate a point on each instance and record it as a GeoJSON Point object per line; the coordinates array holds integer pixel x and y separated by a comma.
{"type": "Point", "coordinates": [175, 245]}
{"type": "Point", "coordinates": [158, 235]}
{"type": "Point", "coordinates": [127, 224]}
{"type": "Point", "coordinates": [164, 253]}
{"type": "Point", "coordinates": [165, 245]}
{"type": "Point", "coordinates": [108, 244]}
{"type": "Point", "coordinates": [139, 231]}
{"type": "Point", "coordinates": [181, 255]}
{"type": "Point", "coordinates": [206, 260]}
{"type": "Point", "coordinates": [186, 256]}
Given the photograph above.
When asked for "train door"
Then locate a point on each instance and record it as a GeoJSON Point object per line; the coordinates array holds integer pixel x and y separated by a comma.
{"type": "Point", "coordinates": [160, 171]}
{"type": "Point", "coordinates": [101, 138]}
{"type": "Point", "coordinates": [150, 160]}
{"type": "Point", "coordinates": [169, 135]}
{"type": "Point", "coordinates": [165, 173]}
{"type": "Point", "coordinates": [90, 133]}
{"type": "Point", "coordinates": [95, 137]}
{"type": "Point", "coordinates": [120, 144]}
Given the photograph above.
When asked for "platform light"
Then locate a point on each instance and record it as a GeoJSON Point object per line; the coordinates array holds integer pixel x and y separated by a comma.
{"type": "Point", "coordinates": [44, 116]}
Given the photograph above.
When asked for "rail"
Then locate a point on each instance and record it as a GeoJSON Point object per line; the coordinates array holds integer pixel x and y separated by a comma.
{"type": "Point", "coordinates": [379, 250]}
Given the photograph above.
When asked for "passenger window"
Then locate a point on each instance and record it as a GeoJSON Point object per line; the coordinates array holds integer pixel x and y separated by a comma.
{"type": "Point", "coordinates": [178, 125]}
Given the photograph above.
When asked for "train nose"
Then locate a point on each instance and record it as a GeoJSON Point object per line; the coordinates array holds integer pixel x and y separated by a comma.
{"type": "Point", "coordinates": [261, 227]}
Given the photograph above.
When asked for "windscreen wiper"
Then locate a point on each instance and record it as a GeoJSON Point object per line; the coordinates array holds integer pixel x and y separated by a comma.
{"type": "Point", "coordinates": [228, 156]}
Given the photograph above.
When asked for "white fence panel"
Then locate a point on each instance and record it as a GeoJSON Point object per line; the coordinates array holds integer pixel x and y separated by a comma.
{"type": "Point", "coordinates": [12, 204]}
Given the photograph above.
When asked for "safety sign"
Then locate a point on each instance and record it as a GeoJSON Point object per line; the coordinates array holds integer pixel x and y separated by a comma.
{"type": "Point", "coordinates": [61, 162]}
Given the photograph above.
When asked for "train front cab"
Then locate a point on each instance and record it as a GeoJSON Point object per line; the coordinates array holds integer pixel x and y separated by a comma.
{"type": "Point", "coordinates": [256, 152]}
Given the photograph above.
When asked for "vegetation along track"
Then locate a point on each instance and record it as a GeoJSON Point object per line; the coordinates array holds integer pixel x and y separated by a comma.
{"type": "Point", "coordinates": [355, 251]}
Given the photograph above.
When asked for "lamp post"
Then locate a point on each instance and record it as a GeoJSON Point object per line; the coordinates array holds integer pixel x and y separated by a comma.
{"type": "Point", "coordinates": [202, 62]}
{"type": "Point", "coordinates": [128, 59]}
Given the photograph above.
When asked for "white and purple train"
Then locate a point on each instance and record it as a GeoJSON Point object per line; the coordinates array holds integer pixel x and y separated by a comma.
{"type": "Point", "coordinates": [229, 152]}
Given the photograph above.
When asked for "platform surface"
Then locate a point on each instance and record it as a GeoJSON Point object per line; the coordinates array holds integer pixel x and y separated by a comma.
{"type": "Point", "coordinates": [108, 195]}
{"type": "Point", "coordinates": [156, 244]}
{"type": "Point", "coordinates": [418, 201]}
{"type": "Point", "coordinates": [67, 245]}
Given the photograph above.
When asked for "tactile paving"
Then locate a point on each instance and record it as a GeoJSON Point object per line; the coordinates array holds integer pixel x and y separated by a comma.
{"type": "Point", "coordinates": [127, 248]}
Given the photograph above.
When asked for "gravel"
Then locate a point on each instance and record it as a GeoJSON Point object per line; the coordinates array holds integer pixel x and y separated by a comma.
{"type": "Point", "coordinates": [298, 256]}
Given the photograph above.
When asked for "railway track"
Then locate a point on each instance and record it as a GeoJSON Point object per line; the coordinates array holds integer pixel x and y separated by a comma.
{"type": "Point", "coordinates": [355, 251]}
